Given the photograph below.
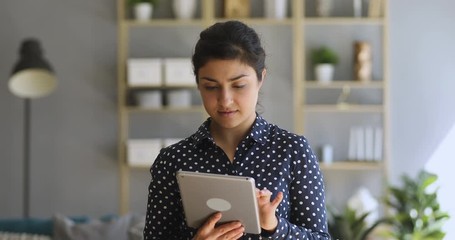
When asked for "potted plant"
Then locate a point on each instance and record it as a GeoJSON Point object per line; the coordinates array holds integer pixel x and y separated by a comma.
{"type": "Point", "coordinates": [142, 9]}
{"type": "Point", "coordinates": [350, 225]}
{"type": "Point", "coordinates": [324, 60]}
{"type": "Point", "coordinates": [415, 210]}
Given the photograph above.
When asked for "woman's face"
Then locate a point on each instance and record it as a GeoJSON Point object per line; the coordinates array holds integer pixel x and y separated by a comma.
{"type": "Point", "coordinates": [229, 91]}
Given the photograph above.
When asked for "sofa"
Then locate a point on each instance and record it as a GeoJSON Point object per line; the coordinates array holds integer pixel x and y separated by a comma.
{"type": "Point", "coordinates": [61, 227]}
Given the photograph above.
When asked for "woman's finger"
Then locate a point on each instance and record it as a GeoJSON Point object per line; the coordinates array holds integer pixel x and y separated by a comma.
{"type": "Point", "coordinates": [212, 220]}
{"type": "Point", "coordinates": [277, 200]}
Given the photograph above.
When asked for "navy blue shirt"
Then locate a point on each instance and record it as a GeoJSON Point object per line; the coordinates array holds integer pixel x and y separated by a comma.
{"type": "Point", "coordinates": [277, 159]}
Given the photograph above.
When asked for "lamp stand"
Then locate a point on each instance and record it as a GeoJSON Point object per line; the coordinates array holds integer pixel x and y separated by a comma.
{"type": "Point", "coordinates": [26, 194]}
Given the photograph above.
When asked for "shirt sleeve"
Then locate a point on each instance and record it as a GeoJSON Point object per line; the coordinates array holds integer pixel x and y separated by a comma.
{"type": "Point", "coordinates": [164, 216]}
{"type": "Point", "coordinates": [307, 201]}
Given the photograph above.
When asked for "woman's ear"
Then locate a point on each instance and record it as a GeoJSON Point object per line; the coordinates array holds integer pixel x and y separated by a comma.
{"type": "Point", "coordinates": [263, 74]}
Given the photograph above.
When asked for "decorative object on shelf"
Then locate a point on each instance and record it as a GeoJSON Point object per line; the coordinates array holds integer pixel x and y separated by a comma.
{"type": "Point", "coordinates": [144, 72]}
{"type": "Point", "coordinates": [324, 60]}
{"type": "Point", "coordinates": [375, 8]}
{"type": "Point", "coordinates": [327, 154]}
{"type": "Point", "coordinates": [323, 8]}
{"type": "Point", "coordinates": [151, 99]}
{"type": "Point", "coordinates": [362, 61]}
{"type": "Point", "coordinates": [178, 72]}
{"type": "Point", "coordinates": [142, 9]}
{"type": "Point", "coordinates": [237, 8]}
{"type": "Point", "coordinates": [276, 9]}
{"type": "Point", "coordinates": [32, 77]}
{"type": "Point", "coordinates": [416, 211]}
{"type": "Point", "coordinates": [184, 9]}
{"type": "Point", "coordinates": [342, 100]}
{"type": "Point", "coordinates": [365, 143]}
{"type": "Point", "coordinates": [178, 98]}
{"type": "Point", "coordinates": [357, 7]}
{"type": "Point", "coordinates": [142, 152]}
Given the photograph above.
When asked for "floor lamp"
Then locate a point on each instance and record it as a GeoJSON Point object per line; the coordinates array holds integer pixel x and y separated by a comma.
{"type": "Point", "coordinates": [32, 77]}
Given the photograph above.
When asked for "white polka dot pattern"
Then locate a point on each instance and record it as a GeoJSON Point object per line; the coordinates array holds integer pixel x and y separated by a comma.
{"type": "Point", "coordinates": [276, 159]}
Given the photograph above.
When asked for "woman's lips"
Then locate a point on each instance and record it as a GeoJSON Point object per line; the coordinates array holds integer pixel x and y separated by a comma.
{"type": "Point", "coordinates": [227, 113]}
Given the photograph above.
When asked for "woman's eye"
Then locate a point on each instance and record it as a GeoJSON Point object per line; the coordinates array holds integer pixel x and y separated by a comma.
{"type": "Point", "coordinates": [240, 86]}
{"type": "Point", "coordinates": [210, 87]}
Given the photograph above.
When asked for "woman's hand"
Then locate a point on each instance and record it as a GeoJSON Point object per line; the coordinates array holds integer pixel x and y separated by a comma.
{"type": "Point", "coordinates": [209, 230]}
{"type": "Point", "coordinates": [267, 209]}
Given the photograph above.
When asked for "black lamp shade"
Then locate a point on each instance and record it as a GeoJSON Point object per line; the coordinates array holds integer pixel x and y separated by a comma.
{"type": "Point", "coordinates": [32, 76]}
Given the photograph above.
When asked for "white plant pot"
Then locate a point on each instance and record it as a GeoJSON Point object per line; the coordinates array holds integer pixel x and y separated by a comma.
{"type": "Point", "coordinates": [143, 11]}
{"type": "Point", "coordinates": [184, 9]}
{"type": "Point", "coordinates": [276, 9]}
{"type": "Point", "coordinates": [324, 72]}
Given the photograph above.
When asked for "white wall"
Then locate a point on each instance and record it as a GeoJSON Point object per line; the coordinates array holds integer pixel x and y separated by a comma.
{"type": "Point", "coordinates": [422, 51]}
{"type": "Point", "coordinates": [422, 67]}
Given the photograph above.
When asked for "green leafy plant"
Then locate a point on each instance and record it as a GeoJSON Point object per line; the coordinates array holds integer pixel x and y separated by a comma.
{"type": "Point", "coordinates": [132, 2]}
{"type": "Point", "coordinates": [324, 55]}
{"type": "Point", "coordinates": [350, 225]}
{"type": "Point", "coordinates": [416, 214]}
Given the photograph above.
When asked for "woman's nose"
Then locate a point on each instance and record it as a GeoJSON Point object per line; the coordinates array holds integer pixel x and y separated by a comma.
{"type": "Point", "coordinates": [225, 97]}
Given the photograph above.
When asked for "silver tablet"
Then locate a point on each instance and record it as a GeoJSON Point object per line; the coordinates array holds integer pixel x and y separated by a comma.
{"type": "Point", "coordinates": [234, 196]}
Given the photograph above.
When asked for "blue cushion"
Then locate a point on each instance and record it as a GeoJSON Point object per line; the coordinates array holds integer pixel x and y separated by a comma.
{"type": "Point", "coordinates": [41, 226]}
{"type": "Point", "coordinates": [29, 225]}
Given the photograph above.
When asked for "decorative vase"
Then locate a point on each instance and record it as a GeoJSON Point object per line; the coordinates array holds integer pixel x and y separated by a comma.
{"type": "Point", "coordinates": [276, 9]}
{"type": "Point", "coordinates": [143, 11]}
{"type": "Point", "coordinates": [324, 72]}
{"type": "Point", "coordinates": [323, 8]}
{"type": "Point", "coordinates": [362, 61]}
{"type": "Point", "coordinates": [184, 9]}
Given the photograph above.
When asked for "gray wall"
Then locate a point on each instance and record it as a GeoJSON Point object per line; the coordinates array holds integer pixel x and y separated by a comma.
{"type": "Point", "coordinates": [74, 130]}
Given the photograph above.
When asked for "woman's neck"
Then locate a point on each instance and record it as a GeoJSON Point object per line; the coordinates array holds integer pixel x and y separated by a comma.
{"type": "Point", "coordinates": [229, 138]}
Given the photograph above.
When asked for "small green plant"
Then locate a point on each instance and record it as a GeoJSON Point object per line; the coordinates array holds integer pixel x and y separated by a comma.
{"type": "Point", "coordinates": [324, 55]}
{"type": "Point", "coordinates": [132, 2]}
{"type": "Point", "coordinates": [416, 214]}
{"type": "Point", "coordinates": [348, 225]}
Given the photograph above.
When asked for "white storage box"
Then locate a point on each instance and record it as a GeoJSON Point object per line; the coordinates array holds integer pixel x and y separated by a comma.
{"type": "Point", "coordinates": [144, 72]}
{"type": "Point", "coordinates": [178, 72]}
{"type": "Point", "coordinates": [149, 99]}
{"type": "Point", "coordinates": [143, 152]}
{"type": "Point", "coordinates": [178, 98]}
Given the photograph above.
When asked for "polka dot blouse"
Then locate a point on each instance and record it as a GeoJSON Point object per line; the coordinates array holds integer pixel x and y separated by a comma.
{"type": "Point", "coordinates": [276, 159]}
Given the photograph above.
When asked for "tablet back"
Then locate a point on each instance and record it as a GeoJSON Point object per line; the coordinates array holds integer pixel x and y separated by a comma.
{"type": "Point", "coordinates": [234, 196]}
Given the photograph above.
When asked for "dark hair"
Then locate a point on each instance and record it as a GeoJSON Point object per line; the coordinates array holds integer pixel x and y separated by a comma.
{"type": "Point", "coordinates": [229, 40]}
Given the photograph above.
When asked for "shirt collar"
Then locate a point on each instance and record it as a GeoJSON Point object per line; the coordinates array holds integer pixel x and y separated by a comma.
{"type": "Point", "coordinates": [258, 132]}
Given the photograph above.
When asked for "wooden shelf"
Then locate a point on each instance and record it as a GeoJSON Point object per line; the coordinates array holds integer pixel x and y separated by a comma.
{"type": "Point", "coordinates": [301, 29]}
{"type": "Point", "coordinates": [313, 84]}
{"type": "Point", "coordinates": [343, 108]}
{"type": "Point", "coordinates": [260, 21]}
{"type": "Point", "coordinates": [352, 165]}
{"type": "Point", "coordinates": [165, 109]}
{"type": "Point", "coordinates": [163, 23]}
{"type": "Point", "coordinates": [343, 21]}
{"type": "Point", "coordinates": [160, 87]}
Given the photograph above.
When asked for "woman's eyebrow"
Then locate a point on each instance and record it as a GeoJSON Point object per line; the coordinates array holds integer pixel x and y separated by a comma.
{"type": "Point", "coordinates": [230, 79]}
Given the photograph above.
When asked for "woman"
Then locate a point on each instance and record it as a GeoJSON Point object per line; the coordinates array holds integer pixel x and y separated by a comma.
{"type": "Point", "coordinates": [229, 65]}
